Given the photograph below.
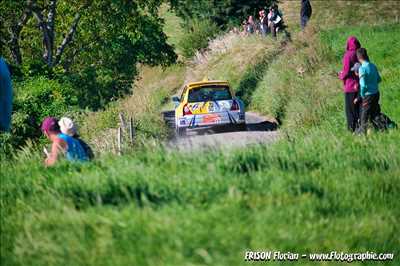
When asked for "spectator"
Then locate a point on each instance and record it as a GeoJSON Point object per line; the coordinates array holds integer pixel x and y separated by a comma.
{"type": "Point", "coordinates": [350, 83]}
{"type": "Point", "coordinates": [369, 89]}
{"type": "Point", "coordinates": [263, 23]}
{"type": "Point", "coordinates": [62, 144]}
{"type": "Point", "coordinates": [5, 97]}
{"type": "Point", "coordinates": [305, 13]}
{"type": "Point", "coordinates": [275, 22]}
{"type": "Point", "coordinates": [250, 26]}
{"type": "Point", "coordinates": [244, 26]}
{"type": "Point", "coordinates": [68, 127]}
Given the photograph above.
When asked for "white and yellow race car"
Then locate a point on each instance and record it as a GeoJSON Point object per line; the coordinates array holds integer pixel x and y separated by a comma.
{"type": "Point", "coordinates": [208, 104]}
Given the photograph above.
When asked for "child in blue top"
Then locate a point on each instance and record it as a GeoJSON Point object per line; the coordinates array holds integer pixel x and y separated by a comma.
{"type": "Point", "coordinates": [369, 89]}
{"type": "Point", "coordinates": [369, 78]}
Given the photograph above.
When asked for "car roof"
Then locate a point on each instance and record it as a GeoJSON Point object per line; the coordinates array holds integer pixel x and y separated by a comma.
{"type": "Point", "coordinates": [192, 85]}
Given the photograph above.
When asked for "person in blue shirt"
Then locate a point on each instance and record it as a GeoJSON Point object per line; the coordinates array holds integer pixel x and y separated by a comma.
{"type": "Point", "coordinates": [62, 144]}
{"type": "Point", "coordinates": [5, 96]}
{"type": "Point", "coordinates": [369, 89]}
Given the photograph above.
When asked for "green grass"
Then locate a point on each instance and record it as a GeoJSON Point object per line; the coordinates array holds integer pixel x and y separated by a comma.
{"type": "Point", "coordinates": [384, 51]}
{"type": "Point", "coordinates": [292, 196]}
{"type": "Point", "coordinates": [172, 27]}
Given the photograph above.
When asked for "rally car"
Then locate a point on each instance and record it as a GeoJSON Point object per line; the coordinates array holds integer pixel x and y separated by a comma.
{"type": "Point", "coordinates": [208, 104]}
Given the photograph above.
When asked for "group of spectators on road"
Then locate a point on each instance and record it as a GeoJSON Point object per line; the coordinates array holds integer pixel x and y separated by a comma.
{"type": "Point", "coordinates": [272, 23]}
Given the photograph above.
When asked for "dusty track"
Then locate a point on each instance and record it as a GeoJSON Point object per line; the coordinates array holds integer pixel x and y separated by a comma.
{"type": "Point", "coordinates": [259, 130]}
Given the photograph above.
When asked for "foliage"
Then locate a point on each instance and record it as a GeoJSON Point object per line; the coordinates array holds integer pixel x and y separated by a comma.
{"type": "Point", "coordinates": [173, 27]}
{"type": "Point", "coordinates": [5, 145]}
{"type": "Point", "coordinates": [36, 99]}
{"type": "Point", "coordinates": [223, 12]}
{"type": "Point", "coordinates": [198, 33]}
{"type": "Point", "coordinates": [100, 59]}
{"type": "Point", "coordinates": [124, 38]}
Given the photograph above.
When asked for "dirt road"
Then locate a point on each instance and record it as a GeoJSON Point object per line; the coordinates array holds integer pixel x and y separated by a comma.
{"type": "Point", "coordinates": [259, 130]}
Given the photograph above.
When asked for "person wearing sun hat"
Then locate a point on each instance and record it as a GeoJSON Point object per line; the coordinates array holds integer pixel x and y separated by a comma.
{"type": "Point", "coordinates": [68, 127]}
{"type": "Point", "coordinates": [62, 144]}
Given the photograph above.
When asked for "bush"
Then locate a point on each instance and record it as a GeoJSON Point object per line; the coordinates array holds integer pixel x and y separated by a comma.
{"type": "Point", "coordinates": [36, 99]}
{"type": "Point", "coordinates": [198, 33]}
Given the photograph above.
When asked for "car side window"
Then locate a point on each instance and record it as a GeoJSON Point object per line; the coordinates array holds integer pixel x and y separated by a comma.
{"type": "Point", "coordinates": [183, 93]}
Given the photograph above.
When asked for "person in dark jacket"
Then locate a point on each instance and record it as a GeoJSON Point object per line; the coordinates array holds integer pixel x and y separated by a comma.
{"type": "Point", "coordinates": [305, 13]}
{"type": "Point", "coordinates": [275, 20]}
{"type": "Point", "coordinates": [5, 97]}
{"type": "Point", "coordinates": [263, 23]}
{"type": "Point", "coordinates": [350, 83]}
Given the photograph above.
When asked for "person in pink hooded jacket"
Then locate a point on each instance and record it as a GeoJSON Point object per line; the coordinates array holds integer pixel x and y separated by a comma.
{"type": "Point", "coordinates": [351, 83]}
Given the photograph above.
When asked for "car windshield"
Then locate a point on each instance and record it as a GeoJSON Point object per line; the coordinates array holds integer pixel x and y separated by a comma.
{"type": "Point", "coordinates": [209, 93]}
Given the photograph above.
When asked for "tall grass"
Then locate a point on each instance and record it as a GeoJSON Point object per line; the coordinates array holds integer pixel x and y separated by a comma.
{"type": "Point", "coordinates": [319, 193]}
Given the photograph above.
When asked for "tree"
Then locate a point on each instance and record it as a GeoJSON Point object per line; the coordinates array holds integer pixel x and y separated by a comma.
{"type": "Point", "coordinates": [46, 24]}
{"type": "Point", "coordinates": [94, 44]}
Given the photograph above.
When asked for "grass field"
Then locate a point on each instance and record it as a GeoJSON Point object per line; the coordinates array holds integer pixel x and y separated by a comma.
{"type": "Point", "coordinates": [322, 192]}
{"type": "Point", "coordinates": [319, 189]}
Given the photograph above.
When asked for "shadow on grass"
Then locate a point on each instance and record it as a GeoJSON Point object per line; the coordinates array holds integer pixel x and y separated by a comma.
{"type": "Point", "coordinates": [116, 196]}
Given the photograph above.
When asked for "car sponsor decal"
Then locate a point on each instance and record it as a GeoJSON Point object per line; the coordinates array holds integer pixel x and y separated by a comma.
{"type": "Point", "coordinates": [212, 119]}
{"type": "Point", "coordinates": [199, 108]}
{"type": "Point", "coordinates": [225, 105]}
{"type": "Point", "coordinates": [194, 107]}
{"type": "Point", "coordinates": [211, 107]}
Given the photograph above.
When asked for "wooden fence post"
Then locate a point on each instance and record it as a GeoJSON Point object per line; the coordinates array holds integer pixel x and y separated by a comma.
{"type": "Point", "coordinates": [131, 131]}
{"type": "Point", "coordinates": [119, 141]}
{"type": "Point", "coordinates": [122, 121]}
